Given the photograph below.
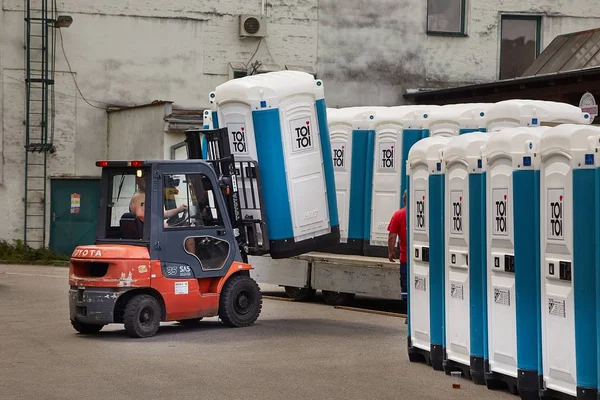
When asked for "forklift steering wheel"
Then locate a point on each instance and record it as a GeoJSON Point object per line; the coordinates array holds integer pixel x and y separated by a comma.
{"type": "Point", "coordinates": [184, 219]}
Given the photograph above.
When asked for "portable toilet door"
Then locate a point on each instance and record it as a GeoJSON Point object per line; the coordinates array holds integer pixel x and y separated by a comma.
{"type": "Point", "coordinates": [349, 155]}
{"type": "Point", "coordinates": [513, 113]}
{"type": "Point", "coordinates": [568, 250]}
{"type": "Point", "coordinates": [232, 108]}
{"type": "Point", "coordinates": [465, 304]}
{"type": "Point", "coordinates": [511, 167]}
{"type": "Point", "coordinates": [426, 252]}
{"type": "Point", "coordinates": [395, 131]}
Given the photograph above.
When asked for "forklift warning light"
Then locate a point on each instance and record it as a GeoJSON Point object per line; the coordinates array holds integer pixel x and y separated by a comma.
{"type": "Point", "coordinates": [135, 164]}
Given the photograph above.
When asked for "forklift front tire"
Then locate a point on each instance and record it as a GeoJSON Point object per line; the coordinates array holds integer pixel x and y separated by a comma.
{"type": "Point", "coordinates": [142, 316]}
{"type": "Point", "coordinates": [240, 302]}
{"type": "Point", "coordinates": [84, 328]}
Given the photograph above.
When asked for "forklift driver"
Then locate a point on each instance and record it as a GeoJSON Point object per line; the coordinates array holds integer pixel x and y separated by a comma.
{"type": "Point", "coordinates": [137, 206]}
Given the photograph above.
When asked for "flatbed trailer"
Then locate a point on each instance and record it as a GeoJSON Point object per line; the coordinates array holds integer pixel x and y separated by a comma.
{"type": "Point", "coordinates": [338, 276]}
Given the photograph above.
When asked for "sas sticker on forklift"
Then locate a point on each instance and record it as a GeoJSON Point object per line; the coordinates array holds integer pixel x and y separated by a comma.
{"type": "Point", "coordinates": [181, 288]}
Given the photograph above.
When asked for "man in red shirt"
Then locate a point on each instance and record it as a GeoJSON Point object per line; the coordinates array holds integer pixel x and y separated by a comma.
{"type": "Point", "coordinates": [397, 227]}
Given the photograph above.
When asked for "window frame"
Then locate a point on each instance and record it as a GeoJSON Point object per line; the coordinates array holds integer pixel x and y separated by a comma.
{"type": "Point", "coordinates": [463, 23]}
{"type": "Point", "coordinates": [104, 226]}
{"type": "Point", "coordinates": [219, 209]}
{"type": "Point", "coordinates": [521, 17]}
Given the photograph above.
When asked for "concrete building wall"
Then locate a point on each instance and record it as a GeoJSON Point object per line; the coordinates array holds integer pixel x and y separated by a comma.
{"type": "Point", "coordinates": [137, 133]}
{"type": "Point", "coordinates": [373, 56]}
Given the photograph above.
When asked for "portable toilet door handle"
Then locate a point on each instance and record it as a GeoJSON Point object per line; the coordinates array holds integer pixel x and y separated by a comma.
{"type": "Point", "coordinates": [54, 217]}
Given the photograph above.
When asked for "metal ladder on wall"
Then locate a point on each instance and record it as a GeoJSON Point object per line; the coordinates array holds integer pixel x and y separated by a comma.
{"type": "Point", "coordinates": [40, 44]}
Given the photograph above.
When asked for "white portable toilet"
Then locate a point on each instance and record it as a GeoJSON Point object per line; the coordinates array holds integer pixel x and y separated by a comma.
{"type": "Point", "coordinates": [511, 166]}
{"type": "Point", "coordinates": [426, 252]}
{"type": "Point", "coordinates": [456, 119]}
{"type": "Point", "coordinates": [568, 207]}
{"type": "Point", "coordinates": [279, 119]}
{"type": "Point", "coordinates": [445, 120]}
{"type": "Point", "coordinates": [465, 296]}
{"type": "Point", "coordinates": [512, 113]}
{"type": "Point", "coordinates": [350, 138]}
{"type": "Point", "coordinates": [473, 118]}
{"type": "Point", "coordinates": [395, 130]}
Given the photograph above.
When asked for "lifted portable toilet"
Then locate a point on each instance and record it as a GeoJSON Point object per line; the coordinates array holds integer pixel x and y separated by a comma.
{"type": "Point", "coordinates": [395, 131]}
{"type": "Point", "coordinates": [512, 113]}
{"type": "Point", "coordinates": [426, 252]}
{"type": "Point", "coordinates": [568, 206]}
{"type": "Point", "coordinates": [511, 167]}
{"type": "Point", "coordinates": [465, 296]}
{"type": "Point", "coordinates": [349, 144]}
{"type": "Point", "coordinates": [279, 119]}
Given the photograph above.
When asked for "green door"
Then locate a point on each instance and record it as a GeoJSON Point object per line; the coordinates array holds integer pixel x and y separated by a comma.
{"type": "Point", "coordinates": [74, 209]}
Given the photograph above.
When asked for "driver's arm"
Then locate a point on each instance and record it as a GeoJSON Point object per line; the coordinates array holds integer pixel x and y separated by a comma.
{"type": "Point", "coordinates": [174, 211]}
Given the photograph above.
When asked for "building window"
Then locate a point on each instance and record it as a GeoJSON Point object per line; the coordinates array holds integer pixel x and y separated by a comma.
{"type": "Point", "coordinates": [239, 74]}
{"type": "Point", "coordinates": [520, 44]}
{"type": "Point", "coordinates": [446, 17]}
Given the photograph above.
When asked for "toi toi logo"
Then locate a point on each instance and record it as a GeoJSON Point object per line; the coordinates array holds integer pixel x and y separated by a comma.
{"type": "Point", "coordinates": [387, 158]}
{"type": "Point", "coordinates": [303, 136]}
{"type": "Point", "coordinates": [556, 217]}
{"type": "Point", "coordinates": [338, 157]}
{"type": "Point", "coordinates": [457, 215]}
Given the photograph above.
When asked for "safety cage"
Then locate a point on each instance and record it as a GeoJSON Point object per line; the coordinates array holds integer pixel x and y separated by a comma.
{"type": "Point", "coordinates": [243, 194]}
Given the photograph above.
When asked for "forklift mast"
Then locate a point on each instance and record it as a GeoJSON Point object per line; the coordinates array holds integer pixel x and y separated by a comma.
{"type": "Point", "coordinates": [244, 208]}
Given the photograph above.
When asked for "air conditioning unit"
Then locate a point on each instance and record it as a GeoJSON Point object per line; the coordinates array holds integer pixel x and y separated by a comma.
{"type": "Point", "coordinates": [253, 26]}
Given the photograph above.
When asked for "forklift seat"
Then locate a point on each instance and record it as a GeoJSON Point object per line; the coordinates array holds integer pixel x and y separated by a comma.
{"type": "Point", "coordinates": [131, 226]}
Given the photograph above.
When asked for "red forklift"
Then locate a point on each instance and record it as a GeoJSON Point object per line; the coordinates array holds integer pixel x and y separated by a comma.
{"type": "Point", "coordinates": [172, 243]}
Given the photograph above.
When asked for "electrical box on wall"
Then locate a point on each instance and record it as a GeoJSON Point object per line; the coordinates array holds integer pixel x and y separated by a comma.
{"type": "Point", "coordinates": [253, 26]}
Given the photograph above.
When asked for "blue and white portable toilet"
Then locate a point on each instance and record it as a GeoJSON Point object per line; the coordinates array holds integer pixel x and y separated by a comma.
{"type": "Point", "coordinates": [426, 254]}
{"type": "Point", "coordinates": [386, 171]}
{"type": "Point", "coordinates": [456, 119]}
{"type": "Point", "coordinates": [280, 120]}
{"type": "Point", "coordinates": [568, 205]}
{"type": "Point", "coordinates": [465, 296]}
{"type": "Point", "coordinates": [445, 120]}
{"type": "Point", "coordinates": [511, 166]}
{"type": "Point", "coordinates": [512, 113]}
{"type": "Point", "coordinates": [473, 118]}
{"type": "Point", "coordinates": [350, 137]}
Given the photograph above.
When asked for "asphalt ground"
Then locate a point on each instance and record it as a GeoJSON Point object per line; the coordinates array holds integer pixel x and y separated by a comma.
{"type": "Point", "coordinates": [294, 351]}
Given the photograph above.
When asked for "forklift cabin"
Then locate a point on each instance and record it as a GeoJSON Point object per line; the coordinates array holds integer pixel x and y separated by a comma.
{"type": "Point", "coordinates": [153, 261]}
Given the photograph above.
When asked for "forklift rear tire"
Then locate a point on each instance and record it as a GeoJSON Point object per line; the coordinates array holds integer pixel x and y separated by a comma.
{"type": "Point", "coordinates": [240, 302]}
{"type": "Point", "coordinates": [142, 316]}
{"type": "Point", "coordinates": [84, 328]}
